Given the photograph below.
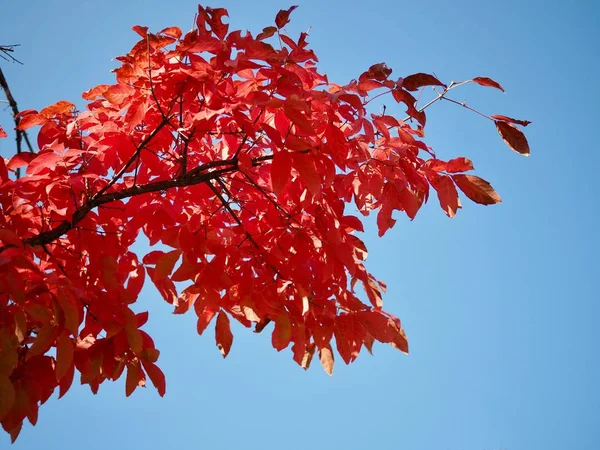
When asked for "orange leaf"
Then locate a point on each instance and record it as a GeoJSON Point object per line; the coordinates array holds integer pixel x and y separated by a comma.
{"type": "Point", "coordinates": [513, 137]}
{"type": "Point", "coordinates": [326, 357]}
{"type": "Point", "coordinates": [484, 81]}
{"type": "Point", "coordinates": [223, 334]}
{"type": "Point", "coordinates": [477, 189]}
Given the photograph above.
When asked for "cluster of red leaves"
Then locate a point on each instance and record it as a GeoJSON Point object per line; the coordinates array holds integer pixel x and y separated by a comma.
{"type": "Point", "coordinates": [239, 158]}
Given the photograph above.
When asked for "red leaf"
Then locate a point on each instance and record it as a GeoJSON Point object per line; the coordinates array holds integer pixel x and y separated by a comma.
{"type": "Point", "coordinates": [20, 160]}
{"type": "Point", "coordinates": [477, 189]}
{"type": "Point", "coordinates": [305, 164]}
{"type": "Point", "coordinates": [156, 376]}
{"type": "Point", "coordinates": [266, 33]}
{"type": "Point", "coordinates": [281, 170]}
{"type": "Point", "coordinates": [174, 32]}
{"type": "Point", "coordinates": [283, 16]}
{"type": "Point", "coordinates": [135, 113]}
{"type": "Point", "coordinates": [523, 123]}
{"type": "Point", "coordinates": [461, 164]}
{"type": "Point", "coordinates": [2, 132]}
{"type": "Point", "coordinates": [3, 171]}
{"type": "Point", "coordinates": [513, 137]}
{"type": "Point", "coordinates": [379, 72]}
{"type": "Point", "coordinates": [484, 81]}
{"type": "Point", "coordinates": [30, 119]}
{"type": "Point", "coordinates": [376, 324]}
{"type": "Point", "coordinates": [132, 381]}
{"type": "Point", "coordinates": [165, 265]}
{"type": "Point", "coordinates": [60, 108]}
{"type": "Point", "coordinates": [214, 19]}
{"type": "Point", "coordinates": [447, 194]}
{"type": "Point", "coordinates": [223, 334]}
{"type": "Point", "coordinates": [9, 237]}
{"type": "Point", "coordinates": [94, 92]}
{"type": "Point", "coordinates": [7, 396]}
{"type": "Point", "coordinates": [43, 161]}
{"type": "Point", "coordinates": [64, 355]}
{"type": "Point", "coordinates": [282, 332]}
{"type": "Point", "coordinates": [414, 82]}
{"type": "Point", "coordinates": [118, 93]}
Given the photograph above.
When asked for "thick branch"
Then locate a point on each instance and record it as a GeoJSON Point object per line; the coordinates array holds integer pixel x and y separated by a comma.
{"type": "Point", "coordinates": [182, 181]}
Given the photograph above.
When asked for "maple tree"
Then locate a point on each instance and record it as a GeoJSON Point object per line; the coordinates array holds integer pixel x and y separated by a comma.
{"type": "Point", "coordinates": [238, 157]}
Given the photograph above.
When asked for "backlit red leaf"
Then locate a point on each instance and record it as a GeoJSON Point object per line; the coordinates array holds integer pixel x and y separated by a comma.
{"type": "Point", "coordinates": [64, 355]}
{"type": "Point", "coordinates": [281, 170]}
{"type": "Point", "coordinates": [30, 119]}
{"type": "Point", "coordinates": [282, 332]}
{"type": "Point", "coordinates": [20, 160]}
{"type": "Point", "coordinates": [132, 381]}
{"type": "Point", "coordinates": [2, 132]}
{"type": "Point", "coordinates": [305, 164]}
{"type": "Point", "coordinates": [156, 376]}
{"type": "Point", "coordinates": [118, 93]}
{"type": "Point", "coordinates": [447, 194]}
{"type": "Point", "coordinates": [223, 335]}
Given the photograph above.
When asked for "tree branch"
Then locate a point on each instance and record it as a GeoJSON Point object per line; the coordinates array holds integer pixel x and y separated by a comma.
{"type": "Point", "coordinates": [20, 134]}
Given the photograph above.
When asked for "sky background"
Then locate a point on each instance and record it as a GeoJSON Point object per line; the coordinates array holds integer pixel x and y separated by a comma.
{"type": "Point", "coordinates": [498, 303]}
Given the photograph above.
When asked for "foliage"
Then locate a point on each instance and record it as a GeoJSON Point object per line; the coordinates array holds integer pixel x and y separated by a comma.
{"type": "Point", "coordinates": [239, 158]}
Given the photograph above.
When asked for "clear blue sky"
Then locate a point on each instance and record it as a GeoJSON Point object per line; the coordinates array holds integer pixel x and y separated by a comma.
{"type": "Point", "coordinates": [498, 303]}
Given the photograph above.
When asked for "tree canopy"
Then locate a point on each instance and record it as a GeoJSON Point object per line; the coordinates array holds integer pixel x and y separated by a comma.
{"type": "Point", "coordinates": [236, 156]}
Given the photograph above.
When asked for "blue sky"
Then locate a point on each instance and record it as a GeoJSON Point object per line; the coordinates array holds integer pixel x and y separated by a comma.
{"type": "Point", "coordinates": [497, 303]}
